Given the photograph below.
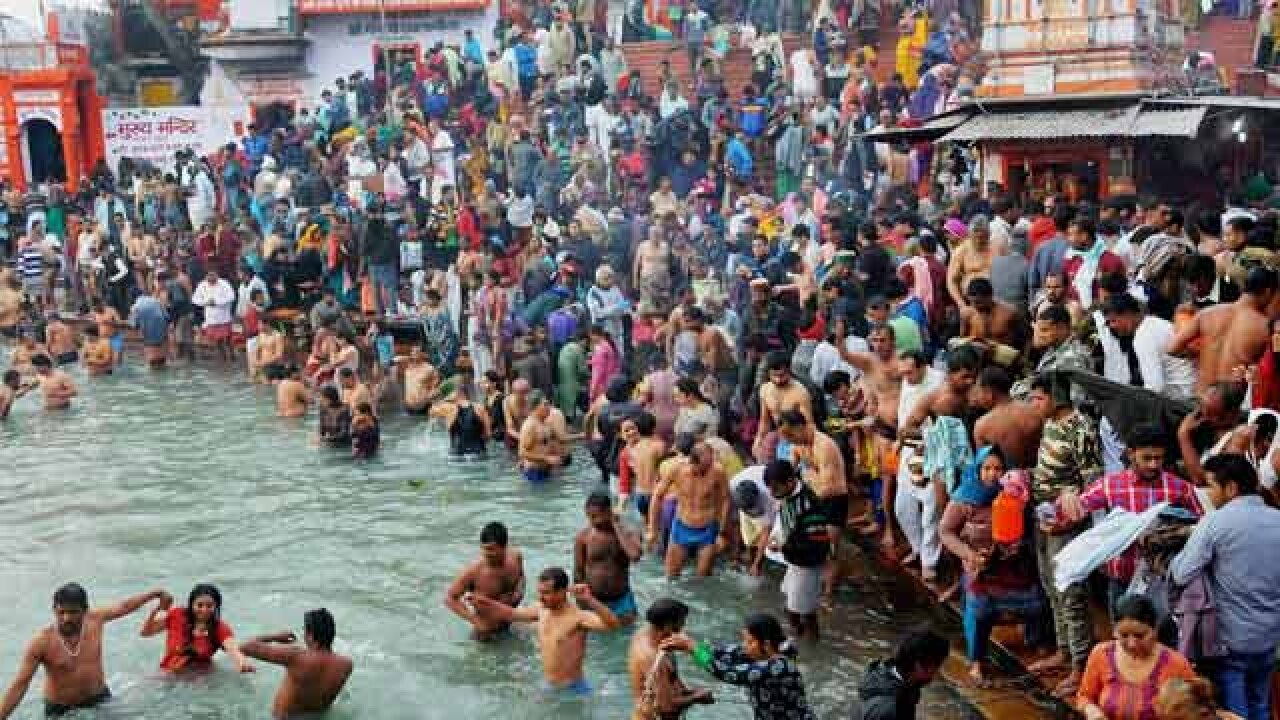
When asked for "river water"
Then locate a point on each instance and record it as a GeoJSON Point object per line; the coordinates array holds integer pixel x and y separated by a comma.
{"type": "Point", "coordinates": [184, 476]}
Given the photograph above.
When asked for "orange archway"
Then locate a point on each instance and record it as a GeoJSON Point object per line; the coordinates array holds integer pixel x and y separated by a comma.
{"type": "Point", "coordinates": [48, 85]}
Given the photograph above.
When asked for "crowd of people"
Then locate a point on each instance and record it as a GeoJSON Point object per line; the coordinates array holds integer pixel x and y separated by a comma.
{"type": "Point", "coordinates": [766, 336]}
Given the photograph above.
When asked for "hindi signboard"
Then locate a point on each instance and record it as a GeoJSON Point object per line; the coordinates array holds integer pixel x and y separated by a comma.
{"type": "Point", "coordinates": [154, 135]}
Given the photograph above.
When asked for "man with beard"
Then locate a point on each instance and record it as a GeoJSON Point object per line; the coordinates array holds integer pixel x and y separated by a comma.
{"type": "Point", "coordinates": [70, 651]}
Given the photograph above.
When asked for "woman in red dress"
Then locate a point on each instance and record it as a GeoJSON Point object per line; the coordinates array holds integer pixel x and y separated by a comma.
{"type": "Point", "coordinates": [193, 634]}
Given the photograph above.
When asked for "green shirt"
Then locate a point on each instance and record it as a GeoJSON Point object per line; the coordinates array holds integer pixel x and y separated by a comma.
{"type": "Point", "coordinates": [906, 334]}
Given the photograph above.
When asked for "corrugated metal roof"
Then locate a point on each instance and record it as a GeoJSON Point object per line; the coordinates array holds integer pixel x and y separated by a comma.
{"type": "Point", "coordinates": [1228, 101]}
{"type": "Point", "coordinates": [934, 127]}
{"type": "Point", "coordinates": [1184, 122]}
{"type": "Point", "coordinates": [1047, 125]}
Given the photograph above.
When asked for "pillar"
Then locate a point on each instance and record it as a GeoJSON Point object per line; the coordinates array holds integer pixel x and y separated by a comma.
{"type": "Point", "coordinates": [11, 137]}
{"type": "Point", "coordinates": [72, 135]}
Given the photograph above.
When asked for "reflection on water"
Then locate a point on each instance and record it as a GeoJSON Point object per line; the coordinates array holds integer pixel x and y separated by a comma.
{"type": "Point", "coordinates": [185, 476]}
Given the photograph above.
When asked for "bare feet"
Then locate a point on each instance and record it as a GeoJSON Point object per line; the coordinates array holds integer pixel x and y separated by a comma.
{"type": "Point", "coordinates": [1049, 664]}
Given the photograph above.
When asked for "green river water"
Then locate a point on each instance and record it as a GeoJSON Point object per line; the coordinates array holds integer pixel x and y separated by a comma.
{"type": "Point", "coordinates": [183, 476]}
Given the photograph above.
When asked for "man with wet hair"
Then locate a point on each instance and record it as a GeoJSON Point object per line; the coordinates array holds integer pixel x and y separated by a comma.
{"type": "Point", "coordinates": [314, 673]}
{"type": "Point", "coordinates": [656, 688]}
{"type": "Point", "coordinates": [562, 627]}
{"type": "Point", "coordinates": [70, 651]}
{"type": "Point", "coordinates": [498, 573]}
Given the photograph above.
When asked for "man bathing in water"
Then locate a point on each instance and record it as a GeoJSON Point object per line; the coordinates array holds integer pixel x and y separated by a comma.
{"type": "Point", "coordinates": [498, 574]}
{"type": "Point", "coordinates": [314, 673]}
{"type": "Point", "coordinates": [656, 688]}
{"type": "Point", "coordinates": [539, 452]}
{"type": "Point", "coordinates": [702, 512]}
{"type": "Point", "coordinates": [55, 385]}
{"type": "Point", "coordinates": [99, 359]}
{"type": "Point", "coordinates": [602, 557]}
{"type": "Point", "coordinates": [109, 324]}
{"type": "Point", "coordinates": [61, 341]}
{"type": "Point", "coordinates": [269, 354]}
{"type": "Point", "coordinates": [421, 380]}
{"type": "Point", "coordinates": [292, 396]}
{"type": "Point", "coordinates": [70, 651]}
{"type": "Point", "coordinates": [562, 627]}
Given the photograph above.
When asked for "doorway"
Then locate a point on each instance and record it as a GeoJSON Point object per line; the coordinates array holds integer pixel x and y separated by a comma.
{"type": "Point", "coordinates": [272, 116]}
{"type": "Point", "coordinates": [42, 152]}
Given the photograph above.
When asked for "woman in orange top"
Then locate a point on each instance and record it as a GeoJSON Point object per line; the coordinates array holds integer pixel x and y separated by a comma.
{"type": "Point", "coordinates": [1123, 677]}
{"type": "Point", "coordinates": [193, 634]}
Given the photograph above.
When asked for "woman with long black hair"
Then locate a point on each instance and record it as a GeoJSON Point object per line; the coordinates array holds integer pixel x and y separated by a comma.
{"type": "Point", "coordinates": [195, 633]}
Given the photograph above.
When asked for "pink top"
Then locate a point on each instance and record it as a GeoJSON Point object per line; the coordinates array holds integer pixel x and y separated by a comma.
{"type": "Point", "coordinates": [604, 364]}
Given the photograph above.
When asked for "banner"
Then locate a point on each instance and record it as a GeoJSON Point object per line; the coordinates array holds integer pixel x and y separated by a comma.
{"type": "Point", "coordinates": [154, 135]}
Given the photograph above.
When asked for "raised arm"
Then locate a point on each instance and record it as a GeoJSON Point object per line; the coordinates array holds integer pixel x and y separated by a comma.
{"type": "Point", "coordinates": [921, 412]}
{"type": "Point", "coordinates": [31, 660]}
{"type": "Point", "coordinates": [277, 649]}
{"type": "Point", "coordinates": [156, 622]}
{"type": "Point", "coordinates": [128, 606]}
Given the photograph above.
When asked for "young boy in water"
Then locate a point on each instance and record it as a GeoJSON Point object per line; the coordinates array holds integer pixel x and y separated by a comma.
{"type": "Point", "coordinates": [365, 434]}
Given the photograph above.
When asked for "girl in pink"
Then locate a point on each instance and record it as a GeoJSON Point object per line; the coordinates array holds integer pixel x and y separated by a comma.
{"type": "Point", "coordinates": [604, 361]}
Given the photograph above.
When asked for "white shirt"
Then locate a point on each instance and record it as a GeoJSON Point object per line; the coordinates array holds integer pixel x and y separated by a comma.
{"type": "Point", "coordinates": [910, 394]}
{"type": "Point", "coordinates": [1161, 372]}
{"type": "Point", "coordinates": [766, 505]}
{"type": "Point", "coordinates": [216, 301]}
{"type": "Point", "coordinates": [826, 360]}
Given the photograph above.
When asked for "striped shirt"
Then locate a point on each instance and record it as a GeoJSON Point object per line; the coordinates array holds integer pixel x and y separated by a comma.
{"type": "Point", "coordinates": [31, 262]}
{"type": "Point", "coordinates": [1126, 490]}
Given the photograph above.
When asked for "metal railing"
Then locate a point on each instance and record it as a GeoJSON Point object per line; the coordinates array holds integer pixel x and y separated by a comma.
{"type": "Point", "coordinates": [41, 56]}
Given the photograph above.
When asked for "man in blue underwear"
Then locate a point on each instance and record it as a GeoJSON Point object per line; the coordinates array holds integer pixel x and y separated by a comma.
{"type": "Point", "coordinates": [538, 449]}
{"type": "Point", "coordinates": [561, 625]}
{"type": "Point", "coordinates": [702, 510]}
{"type": "Point", "coordinates": [70, 651]}
{"type": "Point", "coordinates": [602, 557]}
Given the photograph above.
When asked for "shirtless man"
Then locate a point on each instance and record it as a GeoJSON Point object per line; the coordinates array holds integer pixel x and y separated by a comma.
{"type": "Point", "coordinates": [562, 627]}
{"type": "Point", "coordinates": [498, 574]}
{"type": "Point", "coordinates": [1239, 332]}
{"type": "Point", "coordinates": [537, 450]}
{"type": "Point", "coordinates": [778, 395]}
{"type": "Point", "coordinates": [98, 356]}
{"type": "Point", "coordinates": [109, 324]}
{"type": "Point", "coordinates": [1013, 426]}
{"type": "Point", "coordinates": [70, 650]}
{"type": "Point", "coordinates": [515, 410]}
{"type": "Point", "coordinates": [55, 385]}
{"type": "Point", "coordinates": [421, 380]}
{"type": "Point", "coordinates": [292, 396]}
{"type": "Point", "coordinates": [987, 321]}
{"type": "Point", "coordinates": [10, 304]}
{"type": "Point", "coordinates": [1210, 429]}
{"type": "Point", "coordinates": [882, 383]}
{"type": "Point", "coordinates": [656, 688]}
{"type": "Point", "coordinates": [12, 389]}
{"type": "Point", "coordinates": [971, 260]}
{"type": "Point", "coordinates": [701, 491]}
{"type": "Point", "coordinates": [269, 353]}
{"type": "Point", "coordinates": [821, 466]}
{"type": "Point", "coordinates": [314, 673]}
{"type": "Point", "coordinates": [61, 341]}
{"type": "Point", "coordinates": [344, 356]}
{"type": "Point", "coordinates": [354, 392]}
{"type": "Point", "coordinates": [651, 273]}
{"type": "Point", "coordinates": [645, 451]}
{"type": "Point", "coordinates": [602, 556]}
{"type": "Point", "coordinates": [950, 400]}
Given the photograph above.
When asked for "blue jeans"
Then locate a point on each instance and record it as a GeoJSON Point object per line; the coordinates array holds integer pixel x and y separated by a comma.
{"type": "Point", "coordinates": [1245, 682]}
